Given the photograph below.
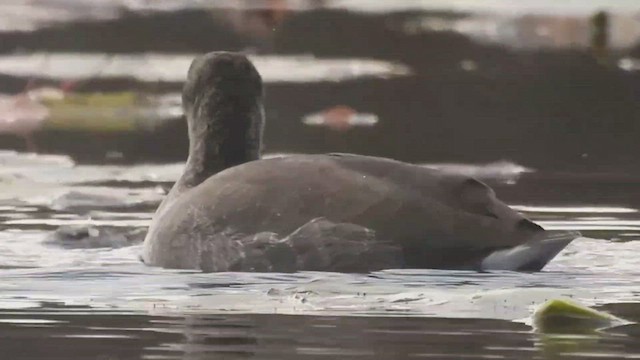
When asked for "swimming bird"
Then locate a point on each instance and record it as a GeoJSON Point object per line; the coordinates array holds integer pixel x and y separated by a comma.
{"type": "Point", "coordinates": [232, 210]}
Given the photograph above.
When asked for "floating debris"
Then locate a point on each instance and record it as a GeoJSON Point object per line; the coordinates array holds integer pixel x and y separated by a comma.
{"type": "Point", "coordinates": [566, 327]}
{"type": "Point", "coordinates": [340, 118]}
{"type": "Point", "coordinates": [565, 316]}
{"type": "Point", "coordinates": [629, 64]}
{"type": "Point", "coordinates": [124, 111]}
{"type": "Point", "coordinates": [468, 65]}
{"type": "Point", "coordinates": [92, 237]}
{"type": "Point", "coordinates": [51, 108]}
{"type": "Point", "coordinates": [22, 116]}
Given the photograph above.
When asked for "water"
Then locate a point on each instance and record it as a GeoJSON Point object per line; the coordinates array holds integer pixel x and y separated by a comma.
{"type": "Point", "coordinates": [73, 286]}
{"type": "Point", "coordinates": [88, 296]}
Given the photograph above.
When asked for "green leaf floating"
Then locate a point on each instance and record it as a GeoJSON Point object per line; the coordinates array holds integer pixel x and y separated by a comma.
{"type": "Point", "coordinates": [565, 316]}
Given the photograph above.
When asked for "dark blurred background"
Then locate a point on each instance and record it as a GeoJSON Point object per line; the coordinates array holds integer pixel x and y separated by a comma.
{"type": "Point", "coordinates": [549, 87]}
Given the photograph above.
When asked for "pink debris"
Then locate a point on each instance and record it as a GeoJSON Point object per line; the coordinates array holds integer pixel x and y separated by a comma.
{"type": "Point", "coordinates": [340, 118]}
{"type": "Point", "coordinates": [21, 115]}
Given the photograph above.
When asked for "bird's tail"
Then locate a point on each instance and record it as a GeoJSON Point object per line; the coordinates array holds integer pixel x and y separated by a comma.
{"type": "Point", "coordinates": [532, 255]}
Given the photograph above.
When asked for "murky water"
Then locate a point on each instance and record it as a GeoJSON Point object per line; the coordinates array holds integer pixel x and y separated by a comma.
{"type": "Point", "coordinates": [442, 93]}
{"type": "Point", "coordinates": [92, 290]}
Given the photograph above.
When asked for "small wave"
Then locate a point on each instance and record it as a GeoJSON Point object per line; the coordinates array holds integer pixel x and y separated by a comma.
{"type": "Point", "coordinates": [598, 256]}
{"type": "Point", "coordinates": [13, 160]}
{"type": "Point", "coordinates": [576, 209]}
{"type": "Point", "coordinates": [104, 198]}
{"type": "Point", "coordinates": [93, 237]}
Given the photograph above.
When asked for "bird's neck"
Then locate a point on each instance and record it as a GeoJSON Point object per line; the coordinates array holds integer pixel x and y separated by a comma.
{"type": "Point", "coordinates": [220, 139]}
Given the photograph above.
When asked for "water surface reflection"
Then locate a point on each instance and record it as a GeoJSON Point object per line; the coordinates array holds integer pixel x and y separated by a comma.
{"type": "Point", "coordinates": [70, 334]}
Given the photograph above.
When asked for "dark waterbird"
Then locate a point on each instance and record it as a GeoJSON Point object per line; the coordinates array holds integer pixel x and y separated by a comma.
{"type": "Point", "coordinates": [232, 211]}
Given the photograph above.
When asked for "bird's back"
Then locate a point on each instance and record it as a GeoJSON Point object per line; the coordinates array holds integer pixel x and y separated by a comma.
{"type": "Point", "coordinates": [435, 219]}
